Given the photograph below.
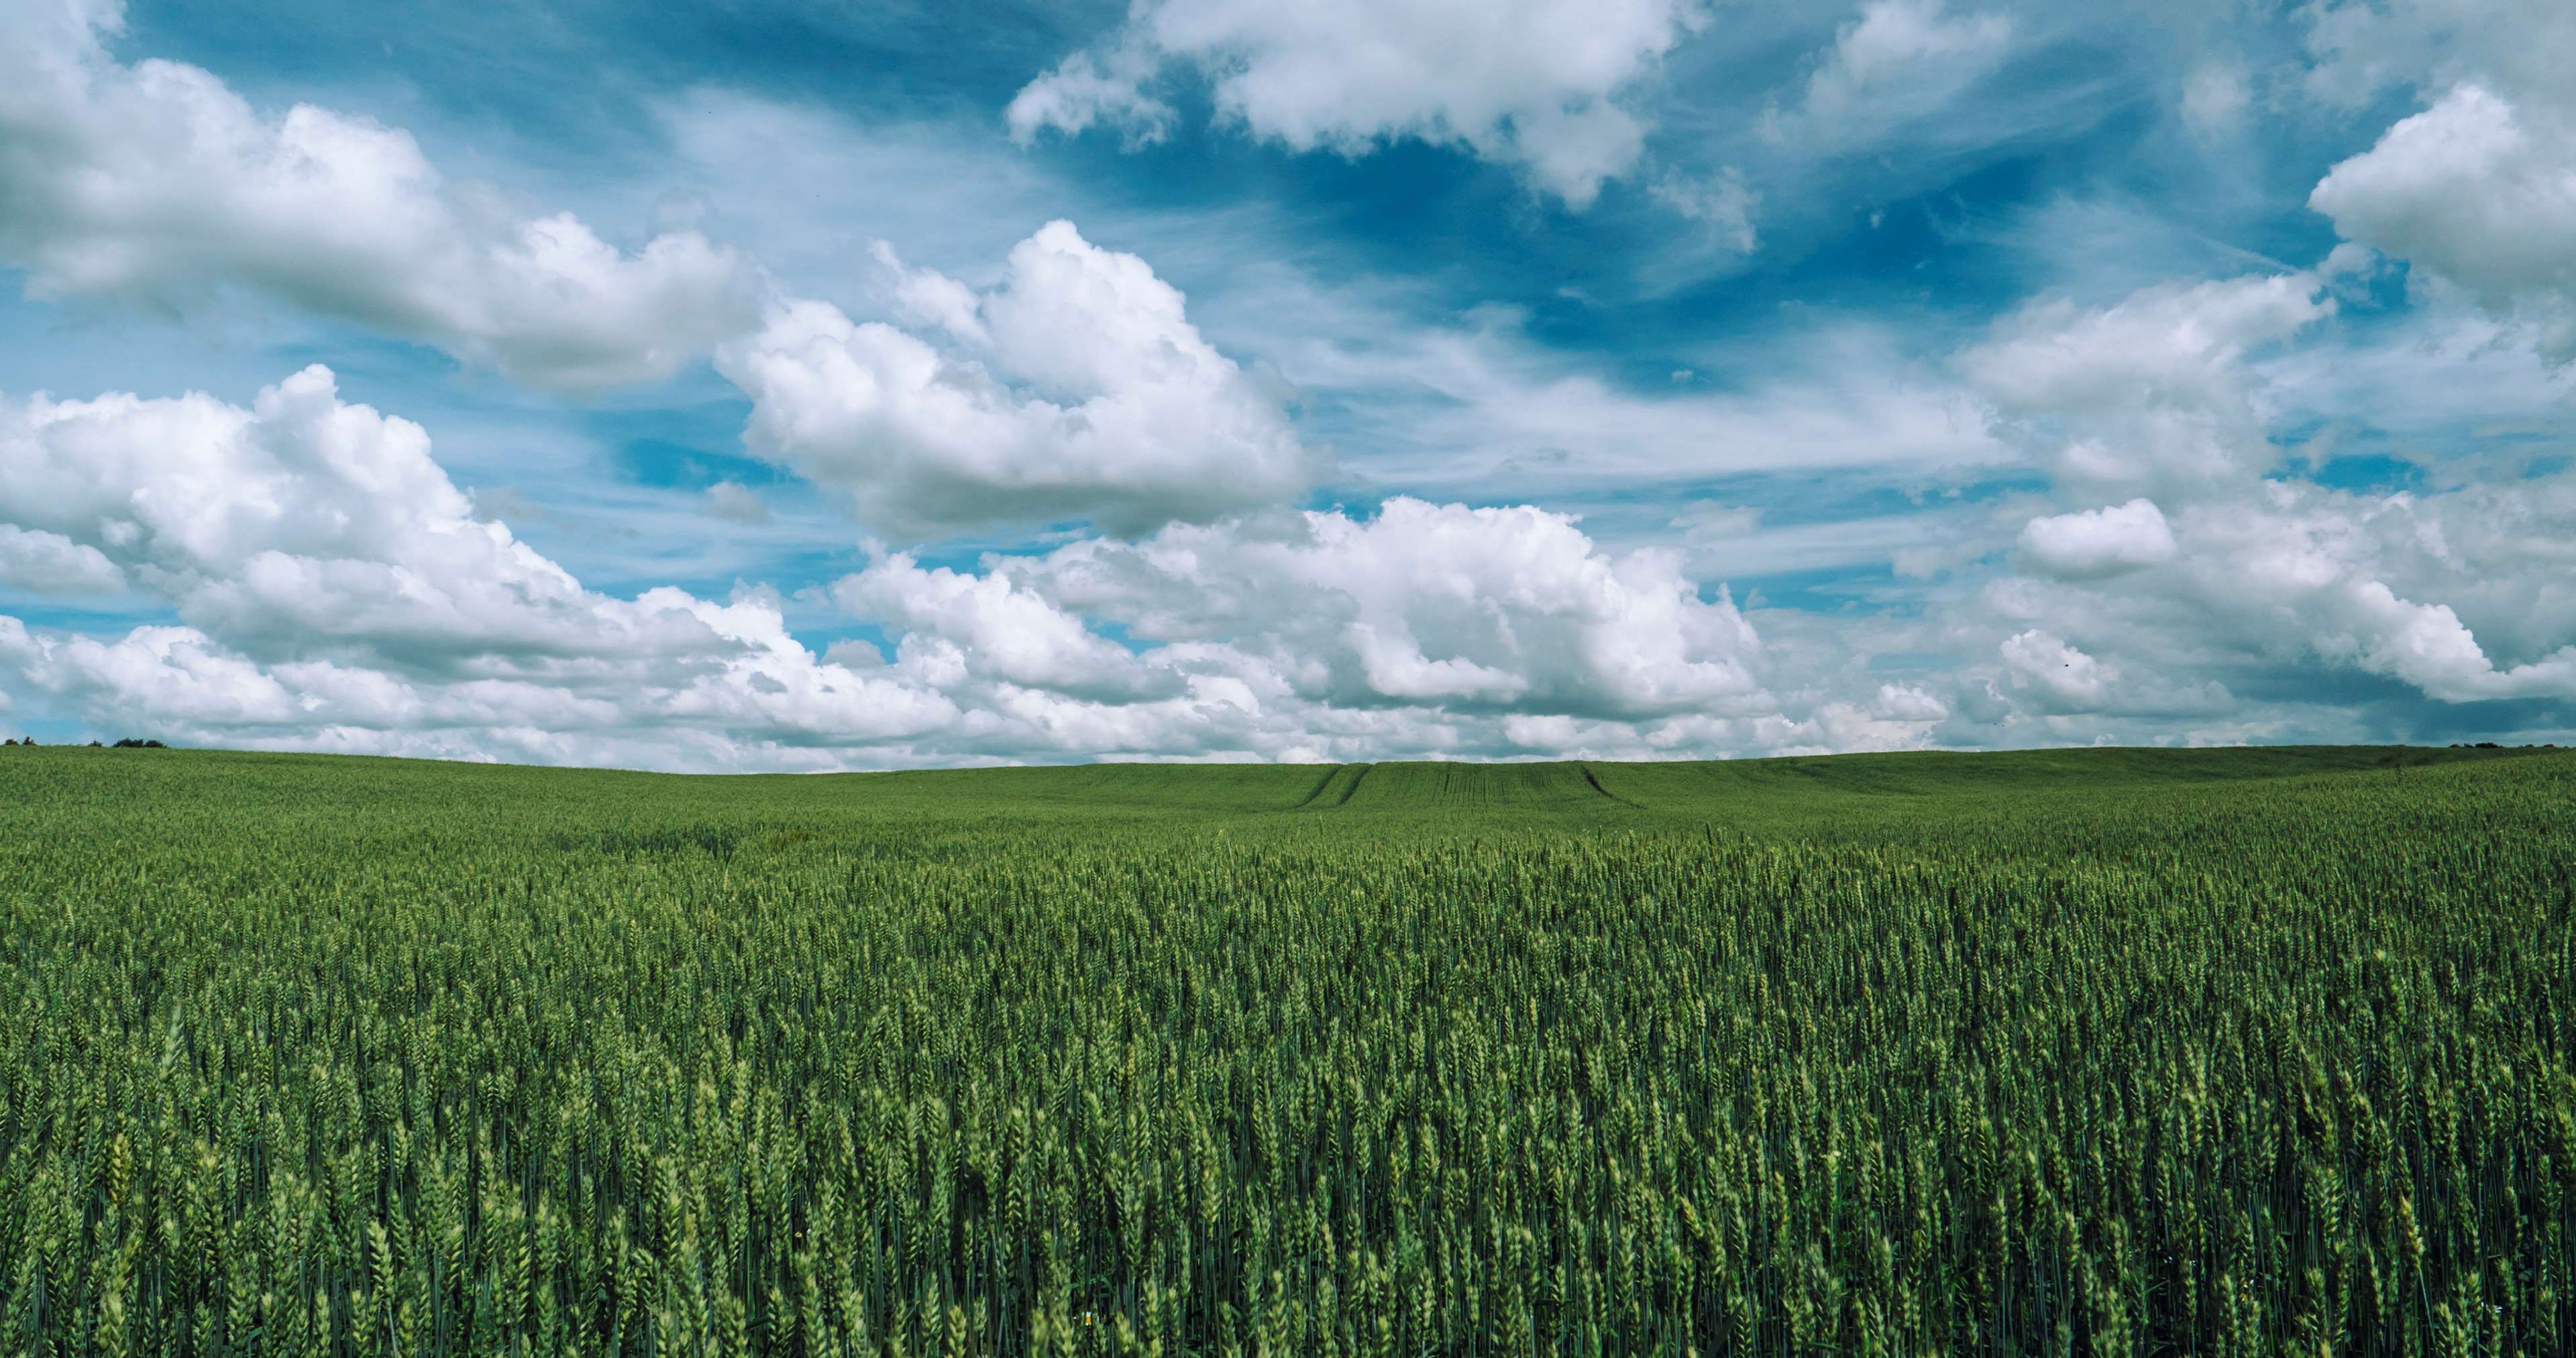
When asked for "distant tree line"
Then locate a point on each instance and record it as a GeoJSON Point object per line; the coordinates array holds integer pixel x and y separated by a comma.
{"type": "Point", "coordinates": [129, 743]}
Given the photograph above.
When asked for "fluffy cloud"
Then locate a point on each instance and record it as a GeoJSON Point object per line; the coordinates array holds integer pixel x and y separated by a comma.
{"type": "Point", "coordinates": [2153, 389]}
{"type": "Point", "coordinates": [2478, 188]}
{"type": "Point", "coordinates": [2066, 679]}
{"type": "Point", "coordinates": [1907, 703]}
{"type": "Point", "coordinates": [2099, 542]}
{"type": "Point", "coordinates": [2456, 594]}
{"type": "Point", "coordinates": [2361, 47]}
{"type": "Point", "coordinates": [49, 563]}
{"type": "Point", "coordinates": [1077, 388]}
{"type": "Point", "coordinates": [1428, 629]}
{"type": "Point", "coordinates": [2480, 193]}
{"type": "Point", "coordinates": [304, 517]}
{"type": "Point", "coordinates": [2332, 573]}
{"type": "Point", "coordinates": [1900, 717]}
{"type": "Point", "coordinates": [1536, 84]}
{"type": "Point", "coordinates": [334, 586]}
{"type": "Point", "coordinates": [1476, 609]}
{"type": "Point", "coordinates": [764, 706]}
{"type": "Point", "coordinates": [2427, 646]}
{"type": "Point", "coordinates": [334, 590]}
{"type": "Point", "coordinates": [988, 626]}
{"type": "Point", "coordinates": [2241, 575]}
{"type": "Point", "coordinates": [157, 182]}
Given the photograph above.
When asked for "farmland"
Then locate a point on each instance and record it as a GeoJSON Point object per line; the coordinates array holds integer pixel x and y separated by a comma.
{"type": "Point", "coordinates": [2121, 1051]}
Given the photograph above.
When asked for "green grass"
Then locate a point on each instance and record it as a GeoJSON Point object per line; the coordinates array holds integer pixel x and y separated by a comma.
{"type": "Point", "coordinates": [2134, 1051]}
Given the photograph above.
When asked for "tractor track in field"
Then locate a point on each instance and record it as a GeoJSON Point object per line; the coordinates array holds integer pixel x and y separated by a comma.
{"type": "Point", "coordinates": [1353, 789]}
{"type": "Point", "coordinates": [1595, 780]}
{"type": "Point", "coordinates": [1331, 771]}
{"type": "Point", "coordinates": [1324, 796]}
{"type": "Point", "coordinates": [1453, 784]}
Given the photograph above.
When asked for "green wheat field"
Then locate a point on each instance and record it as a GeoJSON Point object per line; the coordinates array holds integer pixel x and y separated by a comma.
{"type": "Point", "coordinates": [2119, 1052]}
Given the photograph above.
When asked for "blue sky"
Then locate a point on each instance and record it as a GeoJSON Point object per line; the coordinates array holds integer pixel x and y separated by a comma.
{"type": "Point", "coordinates": [810, 386]}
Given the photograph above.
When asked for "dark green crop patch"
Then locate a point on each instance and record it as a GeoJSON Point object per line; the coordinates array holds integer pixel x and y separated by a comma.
{"type": "Point", "coordinates": [2120, 1051]}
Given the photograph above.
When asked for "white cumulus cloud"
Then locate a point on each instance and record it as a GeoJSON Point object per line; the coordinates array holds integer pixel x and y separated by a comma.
{"type": "Point", "coordinates": [1540, 85]}
{"type": "Point", "coordinates": [992, 628]}
{"type": "Point", "coordinates": [1075, 389]}
{"type": "Point", "coordinates": [301, 517]}
{"type": "Point", "coordinates": [2099, 542]}
{"type": "Point", "coordinates": [156, 181]}
{"type": "Point", "coordinates": [335, 591]}
{"type": "Point", "coordinates": [2153, 389]}
{"type": "Point", "coordinates": [2479, 192]}
{"type": "Point", "coordinates": [49, 563]}
{"type": "Point", "coordinates": [2064, 678]}
{"type": "Point", "coordinates": [1498, 608]}
{"type": "Point", "coordinates": [330, 578]}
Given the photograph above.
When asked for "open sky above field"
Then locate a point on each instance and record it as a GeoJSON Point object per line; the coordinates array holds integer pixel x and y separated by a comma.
{"type": "Point", "coordinates": [802, 385]}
